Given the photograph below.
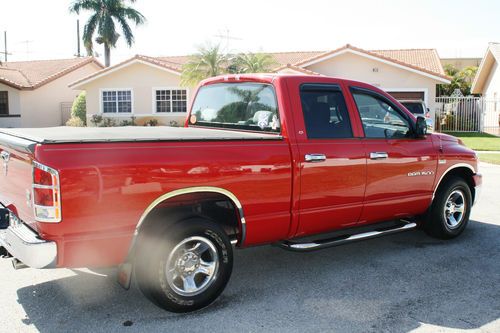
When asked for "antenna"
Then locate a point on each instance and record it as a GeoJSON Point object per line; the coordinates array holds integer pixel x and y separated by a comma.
{"type": "Point", "coordinates": [225, 35]}
{"type": "Point", "coordinates": [28, 51]}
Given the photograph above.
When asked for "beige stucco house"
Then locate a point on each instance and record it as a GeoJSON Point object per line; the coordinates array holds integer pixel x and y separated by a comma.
{"type": "Point", "coordinates": [149, 87]}
{"type": "Point", "coordinates": [36, 93]}
{"type": "Point", "coordinates": [487, 80]}
{"type": "Point", "coordinates": [140, 87]}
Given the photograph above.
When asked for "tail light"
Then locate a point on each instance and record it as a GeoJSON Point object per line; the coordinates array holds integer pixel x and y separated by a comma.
{"type": "Point", "coordinates": [46, 194]}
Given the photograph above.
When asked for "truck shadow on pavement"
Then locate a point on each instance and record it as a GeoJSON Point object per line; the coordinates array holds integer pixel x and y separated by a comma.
{"type": "Point", "coordinates": [394, 283]}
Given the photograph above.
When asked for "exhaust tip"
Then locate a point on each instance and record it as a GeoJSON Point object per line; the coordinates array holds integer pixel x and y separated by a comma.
{"type": "Point", "coordinates": [17, 264]}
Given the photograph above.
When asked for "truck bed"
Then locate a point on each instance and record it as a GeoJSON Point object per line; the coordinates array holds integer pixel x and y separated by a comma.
{"type": "Point", "coordinates": [63, 134]}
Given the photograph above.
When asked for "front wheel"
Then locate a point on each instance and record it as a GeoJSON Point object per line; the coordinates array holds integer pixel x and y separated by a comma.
{"type": "Point", "coordinates": [450, 210]}
{"type": "Point", "coordinates": [186, 267]}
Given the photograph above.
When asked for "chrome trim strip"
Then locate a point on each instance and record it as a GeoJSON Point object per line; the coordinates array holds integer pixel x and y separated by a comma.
{"type": "Point", "coordinates": [454, 166]}
{"type": "Point", "coordinates": [187, 190]}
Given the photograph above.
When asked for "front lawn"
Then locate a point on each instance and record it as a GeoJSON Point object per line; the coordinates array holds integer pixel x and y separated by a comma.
{"type": "Point", "coordinates": [478, 141]}
{"type": "Point", "coordinates": [489, 158]}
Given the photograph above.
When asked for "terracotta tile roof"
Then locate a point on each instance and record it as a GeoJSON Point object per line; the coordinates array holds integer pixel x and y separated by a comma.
{"type": "Point", "coordinates": [29, 75]}
{"type": "Point", "coordinates": [281, 58]}
{"type": "Point", "coordinates": [297, 69]}
{"type": "Point", "coordinates": [157, 61]}
{"type": "Point", "coordinates": [424, 60]}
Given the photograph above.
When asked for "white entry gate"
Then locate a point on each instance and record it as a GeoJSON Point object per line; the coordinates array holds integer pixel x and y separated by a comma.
{"type": "Point", "coordinates": [467, 114]}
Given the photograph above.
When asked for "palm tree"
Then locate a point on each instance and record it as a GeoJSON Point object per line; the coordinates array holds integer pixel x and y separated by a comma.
{"type": "Point", "coordinates": [254, 63]}
{"type": "Point", "coordinates": [208, 62]}
{"type": "Point", "coordinates": [105, 13]}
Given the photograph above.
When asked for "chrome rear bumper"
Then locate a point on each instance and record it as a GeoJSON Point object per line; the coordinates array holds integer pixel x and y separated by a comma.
{"type": "Point", "coordinates": [26, 246]}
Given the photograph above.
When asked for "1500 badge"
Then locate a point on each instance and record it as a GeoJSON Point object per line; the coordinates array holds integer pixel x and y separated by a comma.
{"type": "Point", "coordinates": [420, 173]}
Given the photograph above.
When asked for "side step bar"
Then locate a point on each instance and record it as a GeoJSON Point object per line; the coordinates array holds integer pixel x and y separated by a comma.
{"type": "Point", "coordinates": [345, 239]}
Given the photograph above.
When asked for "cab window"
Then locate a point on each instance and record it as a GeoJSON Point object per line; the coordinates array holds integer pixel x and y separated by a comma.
{"type": "Point", "coordinates": [379, 117]}
{"type": "Point", "coordinates": [325, 112]}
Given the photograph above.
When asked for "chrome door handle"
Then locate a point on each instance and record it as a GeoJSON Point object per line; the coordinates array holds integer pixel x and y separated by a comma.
{"type": "Point", "coordinates": [315, 157]}
{"type": "Point", "coordinates": [378, 155]}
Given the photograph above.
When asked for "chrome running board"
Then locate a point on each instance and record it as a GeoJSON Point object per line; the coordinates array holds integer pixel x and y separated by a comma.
{"type": "Point", "coordinates": [345, 239]}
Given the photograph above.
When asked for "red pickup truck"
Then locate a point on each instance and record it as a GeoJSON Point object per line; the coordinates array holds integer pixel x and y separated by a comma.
{"type": "Point", "coordinates": [303, 162]}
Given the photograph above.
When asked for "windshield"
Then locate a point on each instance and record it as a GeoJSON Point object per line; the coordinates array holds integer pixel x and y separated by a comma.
{"type": "Point", "coordinates": [246, 106]}
{"type": "Point", "coordinates": [414, 107]}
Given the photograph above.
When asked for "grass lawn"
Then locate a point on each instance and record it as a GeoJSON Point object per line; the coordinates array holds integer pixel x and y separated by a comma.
{"type": "Point", "coordinates": [478, 141]}
{"type": "Point", "coordinates": [489, 158]}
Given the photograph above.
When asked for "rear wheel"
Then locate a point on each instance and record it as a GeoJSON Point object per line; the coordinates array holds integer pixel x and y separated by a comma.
{"type": "Point", "coordinates": [186, 267]}
{"type": "Point", "coordinates": [450, 210]}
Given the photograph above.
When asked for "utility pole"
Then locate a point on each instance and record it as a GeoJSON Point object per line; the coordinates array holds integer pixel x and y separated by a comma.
{"type": "Point", "coordinates": [78, 54]}
{"type": "Point", "coordinates": [5, 53]}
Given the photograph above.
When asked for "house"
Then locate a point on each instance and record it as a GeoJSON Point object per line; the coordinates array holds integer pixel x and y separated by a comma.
{"type": "Point", "coordinates": [487, 80]}
{"type": "Point", "coordinates": [149, 87]}
{"type": "Point", "coordinates": [36, 93]}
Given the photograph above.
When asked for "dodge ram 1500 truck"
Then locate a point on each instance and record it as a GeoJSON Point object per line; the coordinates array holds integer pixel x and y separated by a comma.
{"type": "Point", "coordinates": [303, 162]}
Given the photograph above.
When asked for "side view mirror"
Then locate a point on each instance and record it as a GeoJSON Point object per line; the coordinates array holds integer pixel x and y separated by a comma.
{"type": "Point", "coordinates": [420, 127]}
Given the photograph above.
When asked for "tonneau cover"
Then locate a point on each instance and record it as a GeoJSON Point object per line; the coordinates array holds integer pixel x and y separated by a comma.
{"type": "Point", "coordinates": [63, 134]}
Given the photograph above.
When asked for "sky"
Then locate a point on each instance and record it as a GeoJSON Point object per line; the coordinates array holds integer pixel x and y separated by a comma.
{"type": "Point", "coordinates": [46, 30]}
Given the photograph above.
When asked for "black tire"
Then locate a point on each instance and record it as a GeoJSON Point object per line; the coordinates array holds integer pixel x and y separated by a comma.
{"type": "Point", "coordinates": [165, 248]}
{"type": "Point", "coordinates": [437, 223]}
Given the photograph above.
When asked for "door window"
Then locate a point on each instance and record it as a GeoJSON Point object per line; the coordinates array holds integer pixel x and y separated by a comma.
{"type": "Point", "coordinates": [380, 118]}
{"type": "Point", "coordinates": [325, 112]}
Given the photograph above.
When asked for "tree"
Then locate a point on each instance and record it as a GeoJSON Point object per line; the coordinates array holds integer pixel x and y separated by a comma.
{"type": "Point", "coordinates": [254, 63]}
{"type": "Point", "coordinates": [460, 79]}
{"type": "Point", "coordinates": [105, 14]}
{"type": "Point", "coordinates": [79, 108]}
{"type": "Point", "coordinates": [209, 61]}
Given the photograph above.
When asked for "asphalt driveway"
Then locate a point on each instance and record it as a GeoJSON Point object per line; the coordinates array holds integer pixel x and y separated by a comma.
{"type": "Point", "coordinates": [398, 283]}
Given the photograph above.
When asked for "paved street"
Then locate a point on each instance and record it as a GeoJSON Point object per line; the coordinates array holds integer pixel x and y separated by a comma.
{"type": "Point", "coordinates": [400, 283]}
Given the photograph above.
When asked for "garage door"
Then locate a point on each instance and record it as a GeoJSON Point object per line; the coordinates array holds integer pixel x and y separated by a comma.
{"type": "Point", "coordinates": [407, 95]}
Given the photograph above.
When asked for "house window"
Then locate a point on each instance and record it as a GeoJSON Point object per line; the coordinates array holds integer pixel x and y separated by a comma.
{"type": "Point", "coordinates": [170, 100]}
{"type": "Point", "coordinates": [4, 103]}
{"type": "Point", "coordinates": [117, 101]}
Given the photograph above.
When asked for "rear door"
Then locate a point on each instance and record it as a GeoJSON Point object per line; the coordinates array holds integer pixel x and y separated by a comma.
{"type": "Point", "coordinates": [400, 168]}
{"type": "Point", "coordinates": [332, 159]}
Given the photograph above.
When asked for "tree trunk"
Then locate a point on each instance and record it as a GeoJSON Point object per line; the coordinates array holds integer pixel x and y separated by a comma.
{"type": "Point", "coordinates": [107, 55]}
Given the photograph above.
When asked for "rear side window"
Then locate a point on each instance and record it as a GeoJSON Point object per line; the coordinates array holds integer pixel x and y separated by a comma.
{"type": "Point", "coordinates": [242, 106]}
{"type": "Point", "coordinates": [414, 107]}
{"type": "Point", "coordinates": [325, 112]}
{"type": "Point", "coordinates": [379, 117]}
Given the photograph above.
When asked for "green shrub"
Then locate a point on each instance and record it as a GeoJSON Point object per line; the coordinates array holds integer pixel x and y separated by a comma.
{"type": "Point", "coordinates": [96, 119]}
{"type": "Point", "coordinates": [79, 108]}
{"type": "Point", "coordinates": [75, 122]}
{"type": "Point", "coordinates": [108, 122]}
{"type": "Point", "coordinates": [151, 122]}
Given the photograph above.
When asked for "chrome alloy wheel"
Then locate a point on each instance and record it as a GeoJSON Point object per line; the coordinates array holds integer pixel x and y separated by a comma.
{"type": "Point", "coordinates": [454, 209]}
{"type": "Point", "coordinates": [192, 266]}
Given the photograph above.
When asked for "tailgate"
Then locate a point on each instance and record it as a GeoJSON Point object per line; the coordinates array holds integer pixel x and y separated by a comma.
{"type": "Point", "coordinates": [16, 156]}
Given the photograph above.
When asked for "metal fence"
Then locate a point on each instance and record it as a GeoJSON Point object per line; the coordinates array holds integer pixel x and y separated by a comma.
{"type": "Point", "coordinates": [65, 111]}
{"type": "Point", "coordinates": [467, 114]}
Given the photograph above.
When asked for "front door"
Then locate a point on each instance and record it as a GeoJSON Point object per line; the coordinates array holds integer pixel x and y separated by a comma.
{"type": "Point", "coordinates": [333, 163]}
{"type": "Point", "coordinates": [400, 168]}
